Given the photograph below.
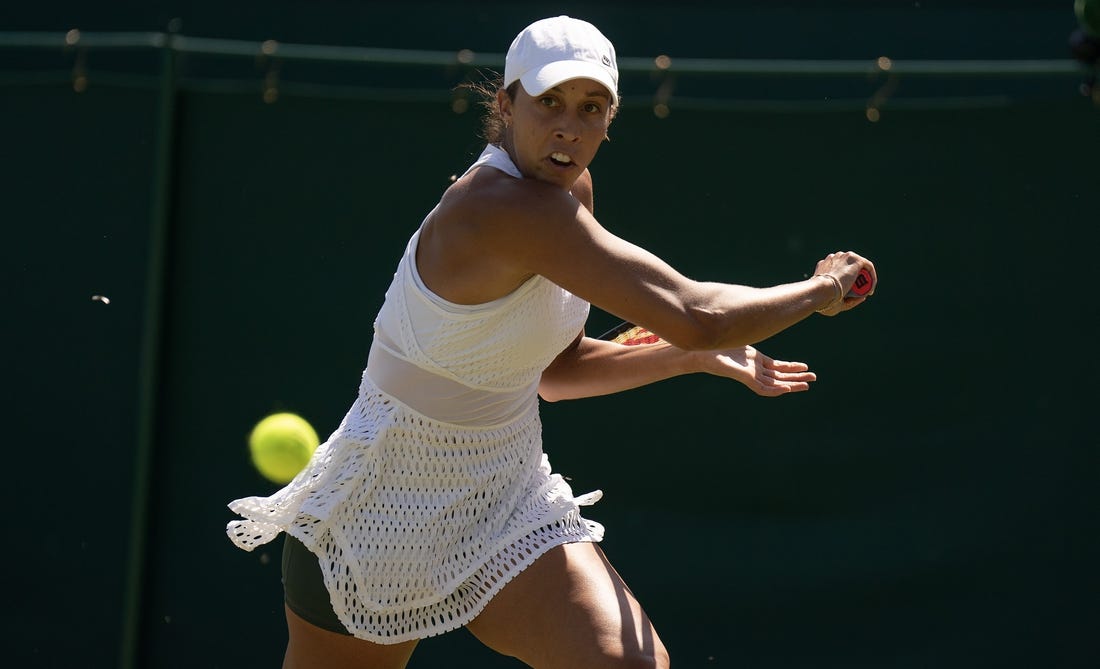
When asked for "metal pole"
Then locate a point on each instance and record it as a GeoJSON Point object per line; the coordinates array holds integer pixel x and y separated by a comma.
{"type": "Point", "coordinates": [150, 362]}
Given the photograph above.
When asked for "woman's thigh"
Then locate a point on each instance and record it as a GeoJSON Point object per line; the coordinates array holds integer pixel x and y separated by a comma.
{"type": "Point", "coordinates": [317, 637]}
{"type": "Point", "coordinates": [311, 647]}
{"type": "Point", "coordinates": [570, 609]}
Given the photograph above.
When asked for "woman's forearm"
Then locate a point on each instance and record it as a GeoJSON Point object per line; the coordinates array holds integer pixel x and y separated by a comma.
{"type": "Point", "coordinates": [592, 367]}
{"type": "Point", "coordinates": [728, 315]}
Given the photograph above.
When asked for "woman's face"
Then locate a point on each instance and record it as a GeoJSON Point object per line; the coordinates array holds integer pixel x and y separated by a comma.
{"type": "Point", "coordinates": [554, 136]}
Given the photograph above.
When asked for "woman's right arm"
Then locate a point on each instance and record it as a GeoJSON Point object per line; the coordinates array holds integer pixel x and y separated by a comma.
{"type": "Point", "coordinates": [536, 228]}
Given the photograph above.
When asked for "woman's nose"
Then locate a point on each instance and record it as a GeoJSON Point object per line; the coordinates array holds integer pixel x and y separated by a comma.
{"type": "Point", "coordinates": [567, 133]}
{"type": "Point", "coordinates": [568, 129]}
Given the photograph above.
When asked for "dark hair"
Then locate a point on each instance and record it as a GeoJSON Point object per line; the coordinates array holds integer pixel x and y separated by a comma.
{"type": "Point", "coordinates": [492, 125]}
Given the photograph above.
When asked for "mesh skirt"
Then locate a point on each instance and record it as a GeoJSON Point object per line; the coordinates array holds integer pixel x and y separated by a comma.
{"type": "Point", "coordinates": [416, 523]}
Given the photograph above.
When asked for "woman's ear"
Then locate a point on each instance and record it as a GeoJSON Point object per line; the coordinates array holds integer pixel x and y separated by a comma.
{"type": "Point", "coordinates": [504, 106]}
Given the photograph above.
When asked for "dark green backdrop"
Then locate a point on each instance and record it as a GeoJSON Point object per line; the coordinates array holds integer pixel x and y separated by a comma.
{"type": "Point", "coordinates": [932, 502]}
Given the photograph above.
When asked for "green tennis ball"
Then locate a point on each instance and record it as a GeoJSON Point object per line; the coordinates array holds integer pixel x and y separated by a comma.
{"type": "Point", "coordinates": [281, 445]}
{"type": "Point", "coordinates": [1088, 13]}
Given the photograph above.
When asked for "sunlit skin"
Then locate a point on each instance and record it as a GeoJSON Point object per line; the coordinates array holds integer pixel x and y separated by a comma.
{"type": "Point", "coordinates": [477, 247]}
{"type": "Point", "coordinates": [490, 235]}
{"type": "Point", "coordinates": [571, 120]}
{"type": "Point", "coordinates": [568, 121]}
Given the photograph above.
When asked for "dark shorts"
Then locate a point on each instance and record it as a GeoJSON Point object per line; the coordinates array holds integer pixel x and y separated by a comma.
{"type": "Point", "coordinates": [304, 587]}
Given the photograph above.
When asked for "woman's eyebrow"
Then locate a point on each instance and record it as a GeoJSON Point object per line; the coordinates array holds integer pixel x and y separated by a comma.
{"type": "Point", "coordinates": [598, 93]}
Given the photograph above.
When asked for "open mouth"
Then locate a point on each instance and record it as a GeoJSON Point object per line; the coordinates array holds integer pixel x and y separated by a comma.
{"type": "Point", "coordinates": [560, 159]}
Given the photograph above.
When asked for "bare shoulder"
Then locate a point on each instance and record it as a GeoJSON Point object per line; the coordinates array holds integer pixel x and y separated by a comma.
{"type": "Point", "coordinates": [582, 190]}
{"type": "Point", "coordinates": [491, 232]}
{"type": "Point", "coordinates": [477, 243]}
{"type": "Point", "coordinates": [498, 209]}
{"type": "Point", "coordinates": [489, 189]}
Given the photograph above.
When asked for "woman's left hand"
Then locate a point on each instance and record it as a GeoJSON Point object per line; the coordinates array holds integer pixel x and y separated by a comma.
{"type": "Point", "coordinates": [762, 375]}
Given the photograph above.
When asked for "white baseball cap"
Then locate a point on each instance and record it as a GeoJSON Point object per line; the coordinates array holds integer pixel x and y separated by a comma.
{"type": "Point", "coordinates": [558, 49]}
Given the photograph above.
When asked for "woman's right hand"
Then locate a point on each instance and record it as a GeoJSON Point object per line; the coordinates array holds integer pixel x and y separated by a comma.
{"type": "Point", "coordinates": [845, 267]}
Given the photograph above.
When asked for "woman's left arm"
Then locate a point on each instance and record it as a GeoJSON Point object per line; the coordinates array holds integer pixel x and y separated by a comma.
{"type": "Point", "coordinates": [590, 367]}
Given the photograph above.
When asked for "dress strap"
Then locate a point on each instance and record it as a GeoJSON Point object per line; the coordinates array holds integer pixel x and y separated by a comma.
{"type": "Point", "coordinates": [496, 157]}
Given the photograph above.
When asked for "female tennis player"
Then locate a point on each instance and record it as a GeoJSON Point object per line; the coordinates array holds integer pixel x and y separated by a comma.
{"type": "Point", "coordinates": [432, 506]}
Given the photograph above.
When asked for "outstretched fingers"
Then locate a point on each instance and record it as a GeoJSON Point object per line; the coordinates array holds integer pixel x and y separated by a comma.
{"type": "Point", "coordinates": [786, 367]}
{"type": "Point", "coordinates": [760, 373]}
{"type": "Point", "coordinates": [780, 377]}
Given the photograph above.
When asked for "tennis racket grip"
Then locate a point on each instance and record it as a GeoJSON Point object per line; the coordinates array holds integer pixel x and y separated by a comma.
{"type": "Point", "coordinates": [863, 284]}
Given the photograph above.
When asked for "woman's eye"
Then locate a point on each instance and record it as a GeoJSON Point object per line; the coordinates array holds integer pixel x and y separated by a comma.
{"type": "Point", "coordinates": [592, 108]}
{"type": "Point", "coordinates": [548, 102]}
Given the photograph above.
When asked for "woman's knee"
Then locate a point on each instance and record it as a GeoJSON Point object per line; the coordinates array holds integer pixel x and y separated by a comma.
{"type": "Point", "coordinates": [649, 654]}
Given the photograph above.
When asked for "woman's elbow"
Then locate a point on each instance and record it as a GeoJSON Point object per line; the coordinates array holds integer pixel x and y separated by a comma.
{"type": "Point", "coordinates": [700, 331]}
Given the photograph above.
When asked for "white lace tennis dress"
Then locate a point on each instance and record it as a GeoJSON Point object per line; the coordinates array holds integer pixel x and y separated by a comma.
{"type": "Point", "coordinates": [434, 492]}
